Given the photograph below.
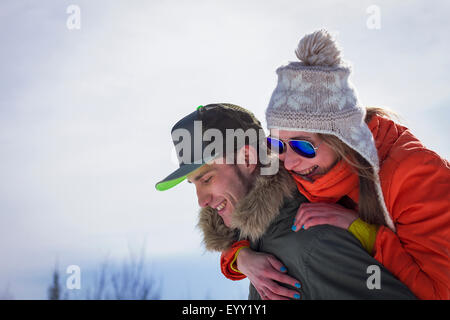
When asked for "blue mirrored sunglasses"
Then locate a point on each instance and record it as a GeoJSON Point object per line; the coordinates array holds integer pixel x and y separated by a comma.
{"type": "Point", "coordinates": [301, 147]}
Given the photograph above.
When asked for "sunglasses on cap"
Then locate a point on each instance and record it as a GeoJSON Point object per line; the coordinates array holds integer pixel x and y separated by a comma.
{"type": "Point", "coordinates": [301, 147]}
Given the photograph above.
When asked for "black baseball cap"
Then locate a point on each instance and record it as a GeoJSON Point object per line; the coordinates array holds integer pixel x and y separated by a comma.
{"type": "Point", "coordinates": [220, 116]}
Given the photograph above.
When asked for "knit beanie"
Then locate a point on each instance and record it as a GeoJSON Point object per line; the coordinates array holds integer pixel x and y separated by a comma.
{"type": "Point", "coordinates": [315, 95]}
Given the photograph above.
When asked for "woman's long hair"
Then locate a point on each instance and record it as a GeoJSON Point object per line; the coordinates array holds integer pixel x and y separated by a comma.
{"type": "Point", "coordinates": [369, 208]}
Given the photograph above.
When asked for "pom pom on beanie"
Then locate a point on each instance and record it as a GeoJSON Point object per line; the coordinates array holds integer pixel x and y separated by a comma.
{"type": "Point", "coordinates": [318, 49]}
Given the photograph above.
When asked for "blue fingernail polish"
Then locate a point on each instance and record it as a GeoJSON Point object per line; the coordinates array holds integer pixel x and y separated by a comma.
{"type": "Point", "coordinates": [283, 269]}
{"type": "Point", "coordinates": [294, 228]}
{"type": "Point", "coordinates": [303, 227]}
{"type": "Point", "coordinates": [298, 285]}
{"type": "Point", "coordinates": [296, 296]}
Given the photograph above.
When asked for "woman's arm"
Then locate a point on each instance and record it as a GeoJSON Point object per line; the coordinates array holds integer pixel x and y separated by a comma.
{"type": "Point", "coordinates": [261, 269]}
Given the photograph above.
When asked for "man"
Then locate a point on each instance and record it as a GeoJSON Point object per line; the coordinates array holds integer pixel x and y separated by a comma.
{"type": "Point", "coordinates": [245, 194]}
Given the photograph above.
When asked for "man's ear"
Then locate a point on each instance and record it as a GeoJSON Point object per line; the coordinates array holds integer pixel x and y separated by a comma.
{"type": "Point", "coordinates": [247, 158]}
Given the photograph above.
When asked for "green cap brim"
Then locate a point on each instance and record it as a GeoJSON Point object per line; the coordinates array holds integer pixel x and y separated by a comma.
{"type": "Point", "coordinates": [165, 185]}
{"type": "Point", "coordinates": [177, 176]}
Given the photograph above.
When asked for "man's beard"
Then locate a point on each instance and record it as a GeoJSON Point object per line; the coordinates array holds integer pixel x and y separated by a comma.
{"type": "Point", "coordinates": [246, 181]}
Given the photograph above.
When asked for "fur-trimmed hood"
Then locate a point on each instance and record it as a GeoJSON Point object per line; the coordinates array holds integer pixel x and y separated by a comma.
{"type": "Point", "coordinates": [252, 215]}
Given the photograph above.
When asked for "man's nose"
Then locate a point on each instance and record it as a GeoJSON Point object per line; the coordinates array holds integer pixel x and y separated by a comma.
{"type": "Point", "coordinates": [291, 159]}
{"type": "Point", "coordinates": [203, 197]}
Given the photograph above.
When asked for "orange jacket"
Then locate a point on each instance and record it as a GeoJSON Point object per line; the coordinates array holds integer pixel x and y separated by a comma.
{"type": "Point", "coordinates": [416, 189]}
{"type": "Point", "coordinates": [416, 184]}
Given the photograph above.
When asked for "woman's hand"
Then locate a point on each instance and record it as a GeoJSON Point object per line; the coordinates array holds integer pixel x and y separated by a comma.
{"type": "Point", "coordinates": [313, 214]}
{"type": "Point", "coordinates": [263, 270]}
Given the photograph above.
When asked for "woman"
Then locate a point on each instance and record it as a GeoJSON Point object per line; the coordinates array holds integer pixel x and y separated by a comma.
{"type": "Point", "coordinates": [360, 170]}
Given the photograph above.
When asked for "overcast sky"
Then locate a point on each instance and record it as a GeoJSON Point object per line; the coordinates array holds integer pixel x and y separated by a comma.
{"type": "Point", "coordinates": [85, 114]}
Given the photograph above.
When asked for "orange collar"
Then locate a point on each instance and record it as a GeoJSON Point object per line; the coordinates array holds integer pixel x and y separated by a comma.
{"type": "Point", "coordinates": [341, 180]}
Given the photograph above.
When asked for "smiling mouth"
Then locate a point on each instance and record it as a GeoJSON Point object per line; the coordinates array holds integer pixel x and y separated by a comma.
{"type": "Point", "coordinates": [221, 206]}
{"type": "Point", "coordinates": [308, 172]}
